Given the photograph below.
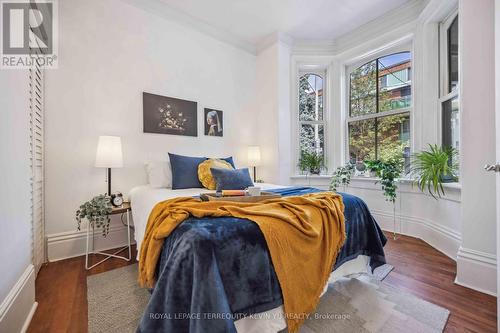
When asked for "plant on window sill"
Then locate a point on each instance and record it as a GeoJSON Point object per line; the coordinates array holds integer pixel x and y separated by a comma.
{"type": "Point", "coordinates": [311, 163]}
{"type": "Point", "coordinates": [431, 168]}
{"type": "Point", "coordinates": [342, 176]}
{"type": "Point", "coordinates": [388, 172]}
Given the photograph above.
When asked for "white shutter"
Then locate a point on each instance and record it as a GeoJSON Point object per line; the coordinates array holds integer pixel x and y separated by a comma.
{"type": "Point", "coordinates": [37, 161]}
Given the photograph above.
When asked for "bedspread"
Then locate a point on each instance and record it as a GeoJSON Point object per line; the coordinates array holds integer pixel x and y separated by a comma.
{"type": "Point", "coordinates": [213, 271]}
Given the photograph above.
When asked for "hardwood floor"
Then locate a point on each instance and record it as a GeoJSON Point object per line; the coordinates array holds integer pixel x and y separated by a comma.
{"type": "Point", "coordinates": [61, 289]}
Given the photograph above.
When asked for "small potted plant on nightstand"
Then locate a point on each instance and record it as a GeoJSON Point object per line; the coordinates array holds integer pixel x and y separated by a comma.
{"type": "Point", "coordinates": [96, 211]}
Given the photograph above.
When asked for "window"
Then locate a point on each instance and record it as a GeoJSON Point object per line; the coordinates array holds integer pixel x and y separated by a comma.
{"type": "Point", "coordinates": [379, 109]}
{"type": "Point", "coordinates": [311, 113]}
{"type": "Point", "coordinates": [450, 109]}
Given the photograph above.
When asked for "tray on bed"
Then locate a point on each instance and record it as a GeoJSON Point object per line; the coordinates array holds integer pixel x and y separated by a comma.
{"type": "Point", "coordinates": [244, 198]}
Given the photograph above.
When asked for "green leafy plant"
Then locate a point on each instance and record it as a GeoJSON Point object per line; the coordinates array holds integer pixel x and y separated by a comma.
{"type": "Point", "coordinates": [388, 172]}
{"type": "Point", "coordinates": [96, 211]}
{"type": "Point", "coordinates": [311, 162]}
{"type": "Point", "coordinates": [342, 176]}
{"type": "Point", "coordinates": [431, 168]}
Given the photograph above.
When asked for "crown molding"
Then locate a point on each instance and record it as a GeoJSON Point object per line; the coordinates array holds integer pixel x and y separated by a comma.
{"type": "Point", "coordinates": [403, 15]}
{"type": "Point", "coordinates": [406, 14]}
{"type": "Point", "coordinates": [163, 10]}
{"type": "Point", "coordinates": [401, 18]}
{"type": "Point", "coordinates": [276, 37]}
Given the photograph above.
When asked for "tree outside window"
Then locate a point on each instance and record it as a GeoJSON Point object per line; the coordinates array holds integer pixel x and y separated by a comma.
{"type": "Point", "coordinates": [379, 110]}
{"type": "Point", "coordinates": [311, 117]}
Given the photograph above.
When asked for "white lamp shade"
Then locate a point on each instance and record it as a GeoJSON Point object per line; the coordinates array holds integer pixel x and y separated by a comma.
{"type": "Point", "coordinates": [109, 152]}
{"type": "Point", "coordinates": [253, 156]}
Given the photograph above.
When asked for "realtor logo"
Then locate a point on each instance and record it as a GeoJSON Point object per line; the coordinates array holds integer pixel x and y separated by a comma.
{"type": "Point", "coordinates": [28, 33]}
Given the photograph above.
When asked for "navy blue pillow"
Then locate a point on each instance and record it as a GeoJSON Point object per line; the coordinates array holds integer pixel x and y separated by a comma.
{"type": "Point", "coordinates": [235, 179]}
{"type": "Point", "coordinates": [229, 160]}
{"type": "Point", "coordinates": [185, 171]}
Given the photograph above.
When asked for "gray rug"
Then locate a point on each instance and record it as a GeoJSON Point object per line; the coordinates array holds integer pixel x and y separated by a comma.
{"type": "Point", "coordinates": [357, 304]}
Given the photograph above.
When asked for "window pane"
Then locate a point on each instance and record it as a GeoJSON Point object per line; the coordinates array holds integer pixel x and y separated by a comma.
{"type": "Point", "coordinates": [451, 123]}
{"type": "Point", "coordinates": [394, 75]}
{"type": "Point", "coordinates": [311, 97]}
{"type": "Point", "coordinates": [393, 138]}
{"type": "Point", "coordinates": [453, 55]}
{"type": "Point", "coordinates": [312, 138]}
{"type": "Point", "coordinates": [363, 90]}
{"type": "Point", "coordinates": [361, 140]}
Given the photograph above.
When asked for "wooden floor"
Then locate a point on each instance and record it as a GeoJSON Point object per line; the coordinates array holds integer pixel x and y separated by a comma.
{"type": "Point", "coordinates": [61, 289]}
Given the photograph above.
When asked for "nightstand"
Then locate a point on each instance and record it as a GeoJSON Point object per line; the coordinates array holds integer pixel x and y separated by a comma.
{"type": "Point", "coordinates": [125, 209]}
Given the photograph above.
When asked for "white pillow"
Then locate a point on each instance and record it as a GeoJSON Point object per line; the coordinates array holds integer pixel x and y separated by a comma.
{"type": "Point", "coordinates": [159, 174]}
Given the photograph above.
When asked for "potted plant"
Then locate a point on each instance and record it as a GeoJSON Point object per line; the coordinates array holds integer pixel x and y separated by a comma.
{"type": "Point", "coordinates": [371, 166]}
{"type": "Point", "coordinates": [342, 176]}
{"type": "Point", "coordinates": [431, 168]}
{"type": "Point", "coordinates": [96, 211]}
{"type": "Point", "coordinates": [311, 163]}
{"type": "Point", "coordinates": [388, 172]}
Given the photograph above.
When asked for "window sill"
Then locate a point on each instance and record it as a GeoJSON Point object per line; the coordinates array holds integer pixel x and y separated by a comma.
{"type": "Point", "coordinates": [311, 177]}
{"type": "Point", "coordinates": [455, 185]}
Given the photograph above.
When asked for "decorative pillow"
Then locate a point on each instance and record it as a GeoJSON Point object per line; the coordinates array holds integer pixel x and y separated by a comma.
{"type": "Point", "coordinates": [159, 174]}
{"type": "Point", "coordinates": [205, 175]}
{"type": "Point", "coordinates": [185, 171]}
{"type": "Point", "coordinates": [229, 160]}
{"type": "Point", "coordinates": [226, 179]}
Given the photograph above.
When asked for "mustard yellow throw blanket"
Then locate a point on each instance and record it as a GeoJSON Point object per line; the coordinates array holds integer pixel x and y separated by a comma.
{"type": "Point", "coordinates": [303, 233]}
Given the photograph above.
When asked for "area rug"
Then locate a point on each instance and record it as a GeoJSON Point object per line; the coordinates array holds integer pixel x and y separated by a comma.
{"type": "Point", "coordinates": [357, 304]}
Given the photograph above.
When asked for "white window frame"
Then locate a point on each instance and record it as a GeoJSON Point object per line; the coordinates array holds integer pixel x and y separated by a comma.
{"type": "Point", "coordinates": [349, 69]}
{"type": "Point", "coordinates": [444, 95]}
{"type": "Point", "coordinates": [322, 68]}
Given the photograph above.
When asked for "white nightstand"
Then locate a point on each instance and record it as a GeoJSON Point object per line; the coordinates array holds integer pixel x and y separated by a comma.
{"type": "Point", "coordinates": [124, 209]}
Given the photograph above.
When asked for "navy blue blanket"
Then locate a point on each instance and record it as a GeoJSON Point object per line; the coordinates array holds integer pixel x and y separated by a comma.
{"type": "Point", "coordinates": [213, 271]}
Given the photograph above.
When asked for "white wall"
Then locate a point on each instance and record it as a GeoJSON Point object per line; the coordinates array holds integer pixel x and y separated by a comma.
{"type": "Point", "coordinates": [15, 203]}
{"type": "Point", "coordinates": [110, 52]}
{"type": "Point", "coordinates": [477, 89]}
{"type": "Point", "coordinates": [274, 116]}
{"type": "Point", "coordinates": [267, 113]}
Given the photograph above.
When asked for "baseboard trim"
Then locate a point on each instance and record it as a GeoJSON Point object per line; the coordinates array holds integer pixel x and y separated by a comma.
{"type": "Point", "coordinates": [443, 239]}
{"type": "Point", "coordinates": [29, 317]}
{"type": "Point", "coordinates": [19, 306]}
{"type": "Point", "coordinates": [477, 270]}
{"type": "Point", "coordinates": [71, 244]}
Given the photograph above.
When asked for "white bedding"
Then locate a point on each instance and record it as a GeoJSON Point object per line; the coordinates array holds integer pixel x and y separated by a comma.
{"type": "Point", "coordinates": [144, 198]}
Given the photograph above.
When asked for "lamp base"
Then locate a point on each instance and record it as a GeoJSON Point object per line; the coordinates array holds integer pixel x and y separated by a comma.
{"type": "Point", "coordinates": [109, 181]}
{"type": "Point", "coordinates": [254, 174]}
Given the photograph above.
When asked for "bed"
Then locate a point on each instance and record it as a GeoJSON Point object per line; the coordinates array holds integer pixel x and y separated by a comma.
{"type": "Point", "coordinates": [215, 275]}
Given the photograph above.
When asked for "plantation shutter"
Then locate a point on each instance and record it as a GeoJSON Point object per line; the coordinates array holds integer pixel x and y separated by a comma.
{"type": "Point", "coordinates": [36, 79]}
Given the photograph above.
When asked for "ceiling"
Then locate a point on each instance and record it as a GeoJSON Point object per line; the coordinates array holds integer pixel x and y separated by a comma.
{"type": "Point", "coordinates": [252, 21]}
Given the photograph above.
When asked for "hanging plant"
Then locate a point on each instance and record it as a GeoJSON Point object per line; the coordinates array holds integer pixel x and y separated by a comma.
{"type": "Point", "coordinates": [388, 172]}
{"type": "Point", "coordinates": [96, 211]}
{"type": "Point", "coordinates": [342, 176]}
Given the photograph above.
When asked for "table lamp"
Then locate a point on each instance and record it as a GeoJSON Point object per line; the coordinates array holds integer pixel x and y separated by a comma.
{"type": "Point", "coordinates": [109, 155]}
{"type": "Point", "coordinates": [254, 159]}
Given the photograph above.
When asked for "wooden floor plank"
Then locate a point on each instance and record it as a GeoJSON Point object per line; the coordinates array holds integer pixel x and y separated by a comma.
{"type": "Point", "coordinates": [419, 269]}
